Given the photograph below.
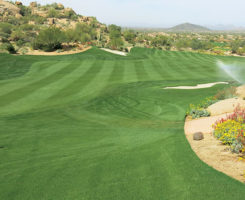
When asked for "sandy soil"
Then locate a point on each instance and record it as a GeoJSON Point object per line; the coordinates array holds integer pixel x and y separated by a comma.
{"type": "Point", "coordinates": [199, 86]}
{"type": "Point", "coordinates": [241, 91]}
{"type": "Point", "coordinates": [211, 151]}
{"type": "Point", "coordinates": [115, 52]}
{"type": "Point", "coordinates": [218, 156]}
{"type": "Point", "coordinates": [203, 124]}
{"type": "Point", "coordinates": [37, 52]}
{"type": "Point", "coordinates": [226, 106]}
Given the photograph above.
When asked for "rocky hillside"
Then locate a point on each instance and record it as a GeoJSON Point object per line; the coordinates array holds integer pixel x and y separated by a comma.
{"type": "Point", "coordinates": [51, 14]}
{"type": "Point", "coordinates": [7, 8]}
{"type": "Point", "coordinates": [21, 25]}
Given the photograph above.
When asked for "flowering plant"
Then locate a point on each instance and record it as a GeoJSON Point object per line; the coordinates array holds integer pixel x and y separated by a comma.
{"type": "Point", "coordinates": [199, 110]}
{"type": "Point", "coordinates": [231, 130]}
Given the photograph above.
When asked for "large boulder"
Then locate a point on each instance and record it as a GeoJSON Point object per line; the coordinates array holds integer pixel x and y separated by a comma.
{"type": "Point", "coordinates": [51, 21]}
{"type": "Point", "coordinates": [198, 136]}
{"type": "Point", "coordinates": [60, 6]}
{"type": "Point", "coordinates": [33, 4]}
{"type": "Point", "coordinates": [9, 8]}
{"type": "Point", "coordinates": [18, 3]}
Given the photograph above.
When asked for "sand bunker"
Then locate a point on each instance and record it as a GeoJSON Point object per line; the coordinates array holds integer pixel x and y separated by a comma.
{"type": "Point", "coordinates": [199, 86]}
{"type": "Point", "coordinates": [121, 53]}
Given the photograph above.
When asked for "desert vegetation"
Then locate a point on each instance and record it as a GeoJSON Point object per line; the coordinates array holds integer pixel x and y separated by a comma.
{"type": "Point", "coordinates": [230, 130]}
{"type": "Point", "coordinates": [21, 32]}
{"type": "Point", "coordinates": [200, 109]}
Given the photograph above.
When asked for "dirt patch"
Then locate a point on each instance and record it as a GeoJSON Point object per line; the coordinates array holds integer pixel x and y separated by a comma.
{"type": "Point", "coordinates": [37, 52]}
{"type": "Point", "coordinates": [203, 124]}
{"type": "Point", "coordinates": [199, 86]}
{"type": "Point", "coordinates": [226, 106]}
{"type": "Point", "coordinates": [211, 151]}
{"type": "Point", "coordinates": [241, 91]}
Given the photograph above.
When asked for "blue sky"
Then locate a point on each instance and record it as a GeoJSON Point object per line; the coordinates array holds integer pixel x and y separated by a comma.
{"type": "Point", "coordinates": [159, 13]}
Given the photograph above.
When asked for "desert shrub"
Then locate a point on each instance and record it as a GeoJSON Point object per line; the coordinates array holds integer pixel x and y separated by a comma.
{"type": "Point", "coordinates": [8, 47]}
{"type": "Point", "coordinates": [4, 40]}
{"type": "Point", "coordinates": [53, 13]}
{"type": "Point", "coordinates": [231, 130]}
{"type": "Point", "coordinates": [199, 110]}
{"type": "Point", "coordinates": [24, 10]}
{"type": "Point", "coordinates": [226, 93]}
{"type": "Point", "coordinates": [23, 50]}
{"type": "Point", "coordinates": [36, 18]}
{"type": "Point", "coordinates": [207, 102]}
{"type": "Point", "coordinates": [129, 36]}
{"type": "Point", "coordinates": [115, 36]}
{"type": "Point", "coordinates": [20, 43]}
{"type": "Point", "coordinates": [49, 39]}
{"type": "Point", "coordinates": [81, 33]}
{"type": "Point", "coordinates": [227, 131]}
{"type": "Point", "coordinates": [70, 14]}
{"type": "Point", "coordinates": [27, 27]}
{"type": "Point", "coordinates": [17, 35]}
{"type": "Point", "coordinates": [6, 27]}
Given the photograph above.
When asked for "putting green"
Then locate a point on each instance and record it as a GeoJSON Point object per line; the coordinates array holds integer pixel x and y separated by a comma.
{"type": "Point", "coordinates": [100, 126]}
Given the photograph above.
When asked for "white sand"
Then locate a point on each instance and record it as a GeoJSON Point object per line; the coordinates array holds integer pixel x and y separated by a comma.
{"type": "Point", "coordinates": [121, 53]}
{"type": "Point", "coordinates": [199, 86]}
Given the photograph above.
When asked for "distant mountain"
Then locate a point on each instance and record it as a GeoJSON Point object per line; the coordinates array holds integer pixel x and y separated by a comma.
{"type": "Point", "coordinates": [187, 27]}
{"type": "Point", "coordinates": [227, 28]}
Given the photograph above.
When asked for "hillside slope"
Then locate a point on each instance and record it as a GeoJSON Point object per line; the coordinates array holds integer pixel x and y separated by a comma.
{"type": "Point", "coordinates": [188, 27]}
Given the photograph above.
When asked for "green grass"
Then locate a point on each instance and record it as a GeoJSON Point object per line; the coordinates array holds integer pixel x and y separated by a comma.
{"type": "Point", "coordinates": [96, 126]}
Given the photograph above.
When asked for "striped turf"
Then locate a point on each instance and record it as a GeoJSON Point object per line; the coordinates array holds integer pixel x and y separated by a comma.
{"type": "Point", "coordinates": [99, 126]}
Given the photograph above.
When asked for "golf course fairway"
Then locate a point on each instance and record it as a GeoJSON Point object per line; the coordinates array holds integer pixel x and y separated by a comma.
{"type": "Point", "coordinates": [100, 126]}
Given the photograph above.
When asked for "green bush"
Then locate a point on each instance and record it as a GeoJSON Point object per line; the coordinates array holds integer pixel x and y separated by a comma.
{"type": "Point", "coordinates": [81, 33]}
{"type": "Point", "coordinates": [115, 36]}
{"type": "Point", "coordinates": [226, 93]}
{"type": "Point", "coordinates": [8, 47]}
{"type": "Point", "coordinates": [6, 27]}
{"type": "Point", "coordinates": [198, 112]}
{"type": "Point", "coordinates": [24, 10]}
{"type": "Point", "coordinates": [17, 35]}
{"type": "Point", "coordinates": [49, 39]}
{"type": "Point", "coordinates": [70, 14]}
{"type": "Point", "coordinates": [129, 36]}
{"type": "Point", "coordinates": [53, 13]}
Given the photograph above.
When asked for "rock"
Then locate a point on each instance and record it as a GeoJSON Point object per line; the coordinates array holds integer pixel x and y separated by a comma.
{"type": "Point", "coordinates": [31, 23]}
{"type": "Point", "coordinates": [51, 21]}
{"type": "Point", "coordinates": [60, 6]}
{"type": "Point", "coordinates": [33, 4]}
{"type": "Point", "coordinates": [18, 3]}
{"type": "Point", "coordinates": [198, 136]}
{"type": "Point", "coordinates": [18, 16]}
